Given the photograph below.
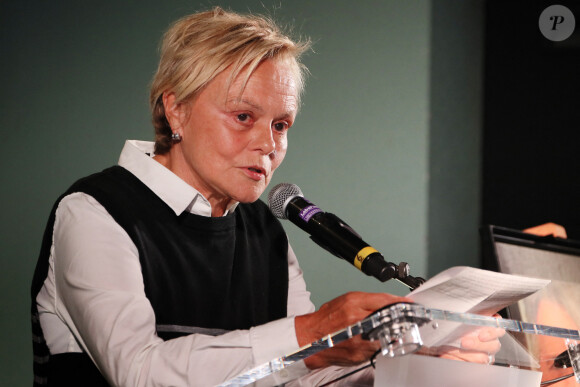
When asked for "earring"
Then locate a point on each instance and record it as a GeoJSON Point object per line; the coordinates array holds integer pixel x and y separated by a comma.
{"type": "Point", "coordinates": [175, 137]}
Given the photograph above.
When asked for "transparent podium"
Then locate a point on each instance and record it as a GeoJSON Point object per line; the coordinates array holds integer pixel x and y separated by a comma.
{"type": "Point", "coordinates": [413, 338]}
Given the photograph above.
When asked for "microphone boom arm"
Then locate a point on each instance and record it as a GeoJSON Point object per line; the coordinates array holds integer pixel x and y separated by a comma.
{"type": "Point", "coordinates": [335, 236]}
{"type": "Point", "coordinates": [398, 272]}
{"type": "Point", "coordinates": [368, 260]}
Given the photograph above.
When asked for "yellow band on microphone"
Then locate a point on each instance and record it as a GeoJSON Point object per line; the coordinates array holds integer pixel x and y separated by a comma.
{"type": "Point", "coordinates": [362, 255]}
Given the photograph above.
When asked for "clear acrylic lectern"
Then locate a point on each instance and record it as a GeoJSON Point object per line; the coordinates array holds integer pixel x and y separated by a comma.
{"type": "Point", "coordinates": [412, 337]}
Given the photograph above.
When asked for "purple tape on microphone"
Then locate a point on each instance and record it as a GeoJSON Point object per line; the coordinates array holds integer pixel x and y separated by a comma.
{"type": "Point", "coordinates": [309, 212]}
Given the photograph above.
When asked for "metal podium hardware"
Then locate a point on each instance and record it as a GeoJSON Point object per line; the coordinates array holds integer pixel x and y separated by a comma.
{"type": "Point", "coordinates": [574, 357]}
{"type": "Point", "coordinates": [397, 328]}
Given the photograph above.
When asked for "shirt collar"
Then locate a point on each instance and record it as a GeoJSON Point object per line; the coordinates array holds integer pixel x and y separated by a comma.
{"type": "Point", "coordinates": [137, 158]}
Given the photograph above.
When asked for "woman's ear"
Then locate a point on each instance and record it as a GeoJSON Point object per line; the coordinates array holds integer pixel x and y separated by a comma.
{"type": "Point", "coordinates": [174, 112]}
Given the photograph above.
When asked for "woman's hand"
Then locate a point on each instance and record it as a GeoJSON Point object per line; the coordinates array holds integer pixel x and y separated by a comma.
{"type": "Point", "coordinates": [478, 346]}
{"type": "Point", "coordinates": [336, 315]}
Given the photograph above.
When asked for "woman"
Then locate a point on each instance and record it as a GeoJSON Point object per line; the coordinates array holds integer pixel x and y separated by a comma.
{"type": "Point", "coordinates": [167, 269]}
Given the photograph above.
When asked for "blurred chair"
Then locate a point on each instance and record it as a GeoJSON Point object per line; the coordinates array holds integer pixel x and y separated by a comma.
{"type": "Point", "coordinates": [515, 252]}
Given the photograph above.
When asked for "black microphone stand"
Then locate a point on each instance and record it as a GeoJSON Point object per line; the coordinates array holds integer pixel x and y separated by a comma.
{"type": "Point", "coordinates": [375, 265]}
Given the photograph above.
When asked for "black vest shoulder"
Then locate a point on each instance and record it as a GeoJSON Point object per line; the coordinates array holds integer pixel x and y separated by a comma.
{"type": "Point", "coordinates": [214, 273]}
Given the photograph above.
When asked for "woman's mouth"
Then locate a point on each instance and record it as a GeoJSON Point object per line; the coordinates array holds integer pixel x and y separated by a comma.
{"type": "Point", "coordinates": [256, 173]}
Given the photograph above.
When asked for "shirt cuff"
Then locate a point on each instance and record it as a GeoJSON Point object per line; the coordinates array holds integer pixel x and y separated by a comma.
{"type": "Point", "coordinates": [272, 340]}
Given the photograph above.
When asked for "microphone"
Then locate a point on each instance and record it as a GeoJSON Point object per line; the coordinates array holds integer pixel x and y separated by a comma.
{"type": "Point", "coordinates": [286, 201]}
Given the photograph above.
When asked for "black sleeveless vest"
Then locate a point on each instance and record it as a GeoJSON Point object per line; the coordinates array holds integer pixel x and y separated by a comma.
{"type": "Point", "coordinates": [200, 274]}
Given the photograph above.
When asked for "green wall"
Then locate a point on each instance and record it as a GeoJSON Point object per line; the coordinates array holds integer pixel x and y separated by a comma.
{"type": "Point", "coordinates": [455, 132]}
{"type": "Point", "coordinates": [367, 144]}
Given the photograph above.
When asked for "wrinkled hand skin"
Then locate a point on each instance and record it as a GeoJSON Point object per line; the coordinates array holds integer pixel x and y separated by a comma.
{"type": "Point", "coordinates": [336, 315]}
{"type": "Point", "coordinates": [476, 347]}
{"type": "Point", "coordinates": [479, 346]}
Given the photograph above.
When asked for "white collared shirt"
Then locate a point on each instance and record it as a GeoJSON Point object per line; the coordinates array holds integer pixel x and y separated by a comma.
{"type": "Point", "coordinates": [93, 298]}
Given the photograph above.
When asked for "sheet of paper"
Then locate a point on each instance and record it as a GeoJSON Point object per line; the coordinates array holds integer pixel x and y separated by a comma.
{"type": "Point", "coordinates": [470, 290]}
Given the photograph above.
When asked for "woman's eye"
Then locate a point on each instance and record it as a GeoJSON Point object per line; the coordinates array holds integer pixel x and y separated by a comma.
{"type": "Point", "coordinates": [280, 126]}
{"type": "Point", "coordinates": [243, 117]}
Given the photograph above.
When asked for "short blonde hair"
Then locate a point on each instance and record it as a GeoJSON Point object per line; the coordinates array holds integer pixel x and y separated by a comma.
{"type": "Point", "coordinates": [200, 46]}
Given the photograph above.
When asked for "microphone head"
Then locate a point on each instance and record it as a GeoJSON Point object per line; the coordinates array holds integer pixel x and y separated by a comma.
{"type": "Point", "coordinates": [279, 197]}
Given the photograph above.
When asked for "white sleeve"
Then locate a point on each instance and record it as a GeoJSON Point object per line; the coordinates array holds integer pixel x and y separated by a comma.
{"type": "Point", "coordinates": [299, 302]}
{"type": "Point", "coordinates": [99, 295]}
